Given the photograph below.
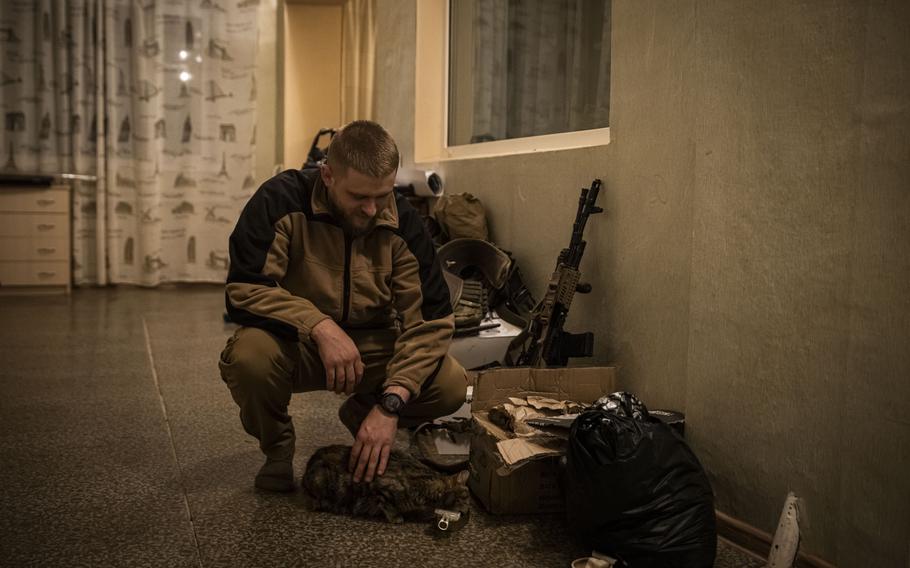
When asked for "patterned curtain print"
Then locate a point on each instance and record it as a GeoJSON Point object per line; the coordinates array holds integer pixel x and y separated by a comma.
{"type": "Point", "coordinates": [155, 98]}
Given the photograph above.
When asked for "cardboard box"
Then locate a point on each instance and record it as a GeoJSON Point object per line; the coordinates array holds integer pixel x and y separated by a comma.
{"type": "Point", "coordinates": [515, 475]}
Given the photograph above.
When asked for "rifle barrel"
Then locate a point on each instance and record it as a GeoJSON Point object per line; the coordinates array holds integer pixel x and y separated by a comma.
{"type": "Point", "coordinates": [577, 252]}
{"type": "Point", "coordinates": [589, 206]}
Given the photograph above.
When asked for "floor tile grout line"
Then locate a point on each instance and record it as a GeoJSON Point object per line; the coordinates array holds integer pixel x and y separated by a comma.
{"type": "Point", "coordinates": [170, 435]}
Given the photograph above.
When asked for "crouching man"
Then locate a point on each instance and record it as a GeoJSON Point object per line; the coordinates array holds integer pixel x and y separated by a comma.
{"type": "Point", "coordinates": [336, 286]}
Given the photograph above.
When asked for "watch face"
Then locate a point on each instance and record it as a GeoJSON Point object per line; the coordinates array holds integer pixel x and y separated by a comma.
{"type": "Point", "coordinates": [392, 403]}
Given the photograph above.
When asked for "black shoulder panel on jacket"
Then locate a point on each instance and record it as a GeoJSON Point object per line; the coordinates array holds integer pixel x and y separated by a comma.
{"type": "Point", "coordinates": [436, 300]}
{"type": "Point", "coordinates": [249, 244]}
{"type": "Point", "coordinates": [254, 233]}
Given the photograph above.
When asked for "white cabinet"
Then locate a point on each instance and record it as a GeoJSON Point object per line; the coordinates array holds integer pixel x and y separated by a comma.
{"type": "Point", "coordinates": [35, 247]}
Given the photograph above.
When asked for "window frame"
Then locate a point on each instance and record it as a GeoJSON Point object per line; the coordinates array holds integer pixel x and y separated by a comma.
{"type": "Point", "coordinates": [431, 102]}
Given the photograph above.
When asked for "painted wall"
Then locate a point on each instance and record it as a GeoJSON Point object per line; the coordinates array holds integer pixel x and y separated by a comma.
{"type": "Point", "coordinates": [798, 363]}
{"type": "Point", "coordinates": [312, 76]}
{"type": "Point", "coordinates": [753, 263]}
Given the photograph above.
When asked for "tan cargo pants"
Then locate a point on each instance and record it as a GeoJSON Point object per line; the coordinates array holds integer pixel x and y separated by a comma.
{"type": "Point", "coordinates": [262, 371]}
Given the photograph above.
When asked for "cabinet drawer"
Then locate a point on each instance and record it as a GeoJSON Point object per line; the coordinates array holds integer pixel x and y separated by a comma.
{"type": "Point", "coordinates": [33, 273]}
{"type": "Point", "coordinates": [50, 200]}
{"type": "Point", "coordinates": [34, 248]}
{"type": "Point", "coordinates": [34, 225]}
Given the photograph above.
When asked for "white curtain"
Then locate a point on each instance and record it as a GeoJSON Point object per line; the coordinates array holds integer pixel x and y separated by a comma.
{"type": "Point", "coordinates": [358, 59]}
{"type": "Point", "coordinates": [156, 99]}
{"type": "Point", "coordinates": [540, 66]}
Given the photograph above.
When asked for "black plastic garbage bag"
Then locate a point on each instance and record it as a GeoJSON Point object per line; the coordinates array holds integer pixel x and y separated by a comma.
{"type": "Point", "coordinates": [624, 403]}
{"type": "Point", "coordinates": [635, 491]}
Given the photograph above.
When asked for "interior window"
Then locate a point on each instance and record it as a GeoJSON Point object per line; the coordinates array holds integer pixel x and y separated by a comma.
{"type": "Point", "coordinates": [520, 68]}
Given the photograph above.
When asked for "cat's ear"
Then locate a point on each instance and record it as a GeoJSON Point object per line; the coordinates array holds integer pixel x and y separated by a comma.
{"type": "Point", "coordinates": [461, 478]}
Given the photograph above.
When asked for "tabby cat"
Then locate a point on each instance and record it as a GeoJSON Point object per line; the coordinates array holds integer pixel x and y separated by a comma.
{"type": "Point", "coordinates": [408, 490]}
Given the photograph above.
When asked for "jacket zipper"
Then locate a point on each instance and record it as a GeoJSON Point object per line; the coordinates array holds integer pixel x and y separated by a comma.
{"type": "Point", "coordinates": [346, 292]}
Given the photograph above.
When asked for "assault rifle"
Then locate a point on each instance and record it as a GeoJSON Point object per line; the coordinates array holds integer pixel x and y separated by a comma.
{"type": "Point", "coordinates": [543, 342]}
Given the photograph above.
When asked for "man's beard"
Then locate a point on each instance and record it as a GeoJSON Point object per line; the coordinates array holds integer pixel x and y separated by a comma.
{"type": "Point", "coordinates": [358, 231]}
{"type": "Point", "coordinates": [346, 224]}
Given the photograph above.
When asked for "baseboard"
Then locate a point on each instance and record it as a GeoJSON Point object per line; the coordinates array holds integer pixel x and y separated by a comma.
{"type": "Point", "coordinates": [758, 542]}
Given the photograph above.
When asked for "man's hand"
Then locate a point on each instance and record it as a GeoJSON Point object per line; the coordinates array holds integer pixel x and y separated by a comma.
{"type": "Point", "coordinates": [340, 357]}
{"type": "Point", "coordinates": [372, 446]}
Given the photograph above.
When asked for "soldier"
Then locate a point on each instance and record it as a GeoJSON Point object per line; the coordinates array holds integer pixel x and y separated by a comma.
{"type": "Point", "coordinates": [336, 286]}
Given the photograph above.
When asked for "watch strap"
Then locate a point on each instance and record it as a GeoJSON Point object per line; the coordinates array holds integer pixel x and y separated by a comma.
{"type": "Point", "coordinates": [391, 403]}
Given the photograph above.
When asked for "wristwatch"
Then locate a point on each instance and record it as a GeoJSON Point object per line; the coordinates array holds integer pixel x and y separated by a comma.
{"type": "Point", "coordinates": [391, 403]}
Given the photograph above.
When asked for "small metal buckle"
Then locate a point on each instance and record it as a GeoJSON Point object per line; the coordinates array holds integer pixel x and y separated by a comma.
{"type": "Point", "coordinates": [444, 517]}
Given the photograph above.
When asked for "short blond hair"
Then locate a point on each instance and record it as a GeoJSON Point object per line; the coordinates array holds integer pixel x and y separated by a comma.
{"type": "Point", "coordinates": [365, 146]}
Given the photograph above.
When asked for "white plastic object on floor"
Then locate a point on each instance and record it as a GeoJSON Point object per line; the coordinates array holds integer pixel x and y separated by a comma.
{"type": "Point", "coordinates": [595, 561]}
{"type": "Point", "coordinates": [785, 545]}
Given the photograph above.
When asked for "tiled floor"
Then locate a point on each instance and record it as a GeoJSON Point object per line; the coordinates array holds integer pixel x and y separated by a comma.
{"type": "Point", "coordinates": [120, 446]}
